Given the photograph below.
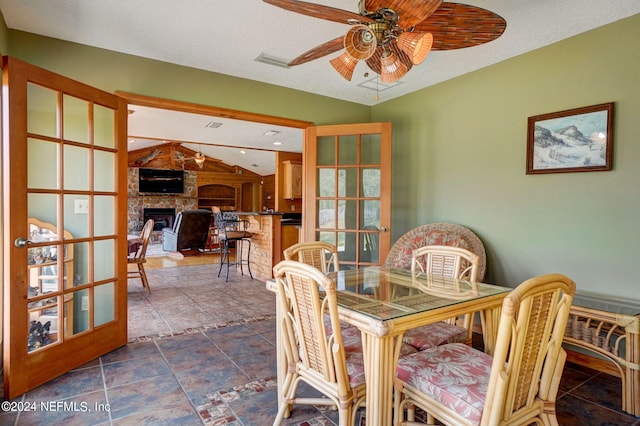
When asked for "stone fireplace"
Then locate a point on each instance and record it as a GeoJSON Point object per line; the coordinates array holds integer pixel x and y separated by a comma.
{"type": "Point", "coordinates": [163, 204]}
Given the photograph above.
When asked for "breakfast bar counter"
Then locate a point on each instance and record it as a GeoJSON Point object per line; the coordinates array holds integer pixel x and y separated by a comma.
{"type": "Point", "coordinates": [266, 231]}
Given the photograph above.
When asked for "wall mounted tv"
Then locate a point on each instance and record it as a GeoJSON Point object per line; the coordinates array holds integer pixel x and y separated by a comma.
{"type": "Point", "coordinates": [161, 181]}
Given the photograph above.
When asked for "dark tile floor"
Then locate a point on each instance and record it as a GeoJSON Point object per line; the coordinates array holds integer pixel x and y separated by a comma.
{"type": "Point", "coordinates": [202, 351]}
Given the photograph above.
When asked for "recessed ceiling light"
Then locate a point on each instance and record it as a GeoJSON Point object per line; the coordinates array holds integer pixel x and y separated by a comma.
{"type": "Point", "coordinates": [242, 151]}
{"type": "Point", "coordinates": [132, 140]}
{"type": "Point", "coordinates": [277, 143]}
{"type": "Point", "coordinates": [271, 133]}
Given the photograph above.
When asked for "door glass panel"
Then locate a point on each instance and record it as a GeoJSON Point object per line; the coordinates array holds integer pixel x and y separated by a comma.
{"type": "Point", "coordinates": [348, 243]}
{"type": "Point", "coordinates": [347, 214]}
{"type": "Point", "coordinates": [76, 170]}
{"type": "Point", "coordinates": [370, 182]}
{"type": "Point", "coordinates": [370, 213]}
{"type": "Point", "coordinates": [104, 215]}
{"type": "Point", "coordinates": [326, 214]}
{"type": "Point", "coordinates": [326, 150]}
{"type": "Point", "coordinates": [348, 149]}
{"type": "Point", "coordinates": [42, 164]}
{"type": "Point", "coordinates": [104, 171]}
{"type": "Point", "coordinates": [41, 110]}
{"type": "Point", "coordinates": [78, 305]}
{"type": "Point", "coordinates": [326, 182]}
{"type": "Point", "coordinates": [43, 207]}
{"type": "Point", "coordinates": [76, 217]}
{"type": "Point", "coordinates": [369, 247]}
{"type": "Point", "coordinates": [75, 119]}
{"type": "Point", "coordinates": [103, 258]}
{"type": "Point", "coordinates": [370, 149]}
{"type": "Point", "coordinates": [104, 127]}
{"type": "Point", "coordinates": [81, 264]}
{"type": "Point", "coordinates": [348, 182]}
{"type": "Point", "coordinates": [104, 304]}
{"type": "Point", "coordinates": [43, 323]}
{"type": "Point", "coordinates": [43, 268]}
{"type": "Point", "coordinates": [327, 237]}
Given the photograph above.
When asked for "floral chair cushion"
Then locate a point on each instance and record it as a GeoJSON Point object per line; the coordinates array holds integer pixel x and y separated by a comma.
{"type": "Point", "coordinates": [432, 335]}
{"type": "Point", "coordinates": [455, 375]}
{"type": "Point", "coordinates": [352, 342]}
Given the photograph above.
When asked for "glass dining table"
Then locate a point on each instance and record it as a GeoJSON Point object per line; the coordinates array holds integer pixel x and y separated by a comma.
{"type": "Point", "coordinates": [385, 302]}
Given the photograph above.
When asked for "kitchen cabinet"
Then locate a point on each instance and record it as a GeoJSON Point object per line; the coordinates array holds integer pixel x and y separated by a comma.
{"type": "Point", "coordinates": [292, 179]}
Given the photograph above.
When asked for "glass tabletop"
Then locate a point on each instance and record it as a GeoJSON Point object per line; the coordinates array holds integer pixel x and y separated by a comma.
{"type": "Point", "coordinates": [389, 293]}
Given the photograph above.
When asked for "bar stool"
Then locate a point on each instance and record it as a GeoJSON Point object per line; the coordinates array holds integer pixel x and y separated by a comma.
{"type": "Point", "coordinates": [233, 231]}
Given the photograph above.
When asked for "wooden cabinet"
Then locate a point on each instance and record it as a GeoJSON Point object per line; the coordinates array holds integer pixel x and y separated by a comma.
{"type": "Point", "coordinates": [220, 195]}
{"type": "Point", "coordinates": [292, 179]}
{"type": "Point", "coordinates": [290, 235]}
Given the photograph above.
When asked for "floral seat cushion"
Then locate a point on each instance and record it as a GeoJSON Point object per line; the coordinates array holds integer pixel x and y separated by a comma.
{"type": "Point", "coordinates": [455, 375]}
{"type": "Point", "coordinates": [432, 335]}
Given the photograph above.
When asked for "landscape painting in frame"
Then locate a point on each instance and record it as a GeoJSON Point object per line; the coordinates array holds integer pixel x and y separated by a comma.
{"type": "Point", "coordinates": [576, 140]}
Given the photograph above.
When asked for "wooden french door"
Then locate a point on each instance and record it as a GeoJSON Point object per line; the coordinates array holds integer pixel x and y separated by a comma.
{"type": "Point", "coordinates": [64, 224]}
{"type": "Point", "coordinates": [347, 190]}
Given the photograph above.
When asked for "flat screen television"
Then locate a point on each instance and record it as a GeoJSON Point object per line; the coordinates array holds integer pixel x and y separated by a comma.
{"type": "Point", "coordinates": [161, 181]}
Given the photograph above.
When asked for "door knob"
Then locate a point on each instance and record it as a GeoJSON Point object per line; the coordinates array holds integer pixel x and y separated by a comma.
{"type": "Point", "coordinates": [383, 229]}
{"type": "Point", "coordinates": [21, 242]}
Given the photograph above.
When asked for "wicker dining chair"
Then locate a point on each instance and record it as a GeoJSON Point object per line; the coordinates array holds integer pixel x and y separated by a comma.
{"type": "Point", "coordinates": [321, 255]}
{"type": "Point", "coordinates": [450, 262]}
{"type": "Point", "coordinates": [313, 354]}
{"type": "Point", "coordinates": [518, 385]}
{"type": "Point", "coordinates": [441, 234]}
{"type": "Point", "coordinates": [139, 257]}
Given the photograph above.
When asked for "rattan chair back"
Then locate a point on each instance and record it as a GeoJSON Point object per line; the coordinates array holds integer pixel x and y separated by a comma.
{"type": "Point", "coordinates": [313, 354]}
{"type": "Point", "coordinates": [443, 234]}
{"type": "Point", "coordinates": [527, 362]}
{"type": "Point", "coordinates": [447, 261]}
{"type": "Point", "coordinates": [318, 254]}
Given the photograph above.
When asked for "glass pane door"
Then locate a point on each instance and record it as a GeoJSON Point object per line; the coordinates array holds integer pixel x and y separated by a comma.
{"type": "Point", "coordinates": [347, 202]}
{"type": "Point", "coordinates": [67, 267]}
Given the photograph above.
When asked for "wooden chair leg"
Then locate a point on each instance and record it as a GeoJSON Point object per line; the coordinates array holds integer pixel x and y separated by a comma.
{"type": "Point", "coordinates": [143, 278]}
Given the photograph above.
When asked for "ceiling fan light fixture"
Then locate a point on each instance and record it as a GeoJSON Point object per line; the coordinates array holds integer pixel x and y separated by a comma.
{"type": "Point", "coordinates": [416, 45]}
{"type": "Point", "coordinates": [344, 65]}
{"type": "Point", "coordinates": [360, 42]}
{"type": "Point", "coordinates": [391, 67]}
{"type": "Point", "coordinates": [199, 159]}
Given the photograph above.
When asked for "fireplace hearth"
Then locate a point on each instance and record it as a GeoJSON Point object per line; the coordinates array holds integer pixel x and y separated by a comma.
{"type": "Point", "coordinates": [162, 217]}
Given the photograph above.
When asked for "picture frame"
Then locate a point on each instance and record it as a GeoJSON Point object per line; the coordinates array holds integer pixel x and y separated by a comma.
{"type": "Point", "coordinates": [574, 140]}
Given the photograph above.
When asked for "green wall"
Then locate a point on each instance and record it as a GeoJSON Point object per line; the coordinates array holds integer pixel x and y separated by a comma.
{"type": "Point", "coordinates": [111, 71]}
{"type": "Point", "coordinates": [461, 145]}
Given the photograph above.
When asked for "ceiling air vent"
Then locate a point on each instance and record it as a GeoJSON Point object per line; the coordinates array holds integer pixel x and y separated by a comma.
{"type": "Point", "coordinates": [375, 84]}
{"type": "Point", "coordinates": [213, 125]}
{"type": "Point", "coordinates": [272, 60]}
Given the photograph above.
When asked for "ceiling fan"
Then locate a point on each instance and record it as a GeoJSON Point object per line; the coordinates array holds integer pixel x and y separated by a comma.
{"type": "Point", "coordinates": [198, 157]}
{"type": "Point", "coordinates": [392, 36]}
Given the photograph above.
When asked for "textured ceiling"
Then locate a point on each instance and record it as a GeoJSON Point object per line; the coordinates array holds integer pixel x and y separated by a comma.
{"type": "Point", "coordinates": [226, 36]}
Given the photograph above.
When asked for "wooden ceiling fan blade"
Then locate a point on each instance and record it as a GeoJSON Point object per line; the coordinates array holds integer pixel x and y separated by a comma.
{"type": "Point", "coordinates": [319, 51]}
{"type": "Point", "coordinates": [319, 11]}
{"type": "Point", "coordinates": [456, 26]}
{"type": "Point", "coordinates": [411, 12]}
